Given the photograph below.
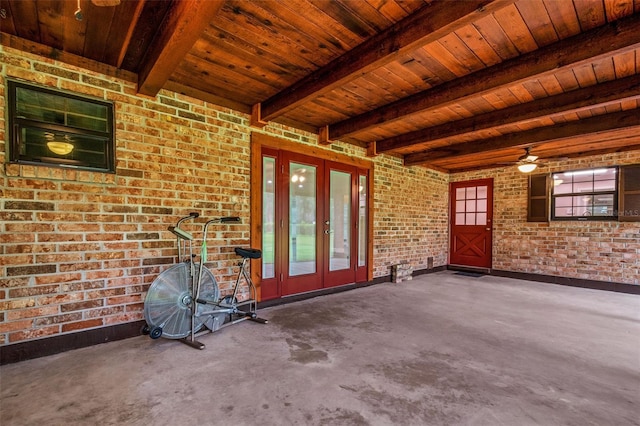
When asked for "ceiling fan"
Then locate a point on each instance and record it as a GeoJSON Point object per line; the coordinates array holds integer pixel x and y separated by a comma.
{"type": "Point", "coordinates": [527, 162]}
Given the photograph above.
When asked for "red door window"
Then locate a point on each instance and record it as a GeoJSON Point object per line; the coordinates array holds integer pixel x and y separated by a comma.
{"type": "Point", "coordinates": [471, 223]}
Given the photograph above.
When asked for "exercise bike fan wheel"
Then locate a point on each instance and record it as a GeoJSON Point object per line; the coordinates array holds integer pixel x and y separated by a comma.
{"type": "Point", "coordinates": [167, 307]}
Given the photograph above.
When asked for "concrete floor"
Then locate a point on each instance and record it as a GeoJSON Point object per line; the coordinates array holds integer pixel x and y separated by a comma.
{"type": "Point", "coordinates": [442, 349]}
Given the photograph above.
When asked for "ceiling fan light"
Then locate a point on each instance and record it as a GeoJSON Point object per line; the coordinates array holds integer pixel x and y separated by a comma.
{"type": "Point", "coordinates": [527, 167]}
{"type": "Point", "coordinates": [60, 148]}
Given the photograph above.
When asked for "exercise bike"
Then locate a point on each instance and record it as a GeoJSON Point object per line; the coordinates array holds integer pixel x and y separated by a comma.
{"type": "Point", "coordinates": [184, 300]}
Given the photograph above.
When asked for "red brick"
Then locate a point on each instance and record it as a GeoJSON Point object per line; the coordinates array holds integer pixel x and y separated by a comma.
{"type": "Point", "coordinates": [34, 333]}
{"type": "Point", "coordinates": [81, 325]}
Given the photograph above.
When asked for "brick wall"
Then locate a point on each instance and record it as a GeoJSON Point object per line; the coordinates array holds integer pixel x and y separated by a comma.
{"type": "Point", "coordinates": [411, 208]}
{"type": "Point", "coordinates": [599, 250]}
{"type": "Point", "coordinates": [79, 249]}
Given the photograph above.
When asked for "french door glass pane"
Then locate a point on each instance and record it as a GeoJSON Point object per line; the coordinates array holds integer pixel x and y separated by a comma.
{"type": "Point", "coordinates": [339, 220]}
{"type": "Point", "coordinates": [268, 216]}
{"type": "Point", "coordinates": [362, 221]}
{"type": "Point", "coordinates": [302, 219]}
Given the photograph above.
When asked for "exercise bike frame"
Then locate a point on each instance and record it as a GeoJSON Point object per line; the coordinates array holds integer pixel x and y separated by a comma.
{"type": "Point", "coordinates": [220, 313]}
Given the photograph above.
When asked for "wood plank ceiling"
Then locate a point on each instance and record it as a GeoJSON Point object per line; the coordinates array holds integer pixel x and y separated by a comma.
{"type": "Point", "coordinates": [451, 85]}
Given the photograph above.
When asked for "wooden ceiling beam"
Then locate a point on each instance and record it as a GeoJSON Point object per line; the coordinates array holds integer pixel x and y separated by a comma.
{"type": "Point", "coordinates": [573, 101]}
{"type": "Point", "coordinates": [129, 33]}
{"type": "Point", "coordinates": [428, 24]}
{"type": "Point", "coordinates": [610, 39]}
{"type": "Point", "coordinates": [590, 126]}
{"type": "Point", "coordinates": [177, 34]}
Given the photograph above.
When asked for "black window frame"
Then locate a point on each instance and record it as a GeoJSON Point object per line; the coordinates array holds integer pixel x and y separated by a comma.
{"type": "Point", "coordinates": [553, 196]}
{"type": "Point", "coordinates": [16, 124]}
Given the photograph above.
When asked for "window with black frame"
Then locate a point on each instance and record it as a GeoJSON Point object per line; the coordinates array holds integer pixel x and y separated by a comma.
{"type": "Point", "coordinates": [55, 128]}
{"type": "Point", "coordinates": [585, 194]}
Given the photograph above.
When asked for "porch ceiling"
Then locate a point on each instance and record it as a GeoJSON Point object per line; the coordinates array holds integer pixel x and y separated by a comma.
{"type": "Point", "coordinates": [451, 85]}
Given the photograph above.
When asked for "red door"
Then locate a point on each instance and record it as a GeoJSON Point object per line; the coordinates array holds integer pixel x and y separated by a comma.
{"type": "Point", "coordinates": [471, 223]}
{"type": "Point", "coordinates": [340, 224]}
{"type": "Point", "coordinates": [314, 227]}
{"type": "Point", "coordinates": [302, 230]}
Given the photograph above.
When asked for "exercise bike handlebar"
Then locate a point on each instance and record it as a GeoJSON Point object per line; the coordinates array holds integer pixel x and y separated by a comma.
{"type": "Point", "coordinates": [229, 219]}
{"type": "Point", "coordinates": [226, 219]}
{"type": "Point", "coordinates": [181, 233]}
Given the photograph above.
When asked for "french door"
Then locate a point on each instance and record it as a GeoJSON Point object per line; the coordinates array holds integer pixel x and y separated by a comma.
{"type": "Point", "coordinates": [471, 223]}
{"type": "Point", "coordinates": [314, 223]}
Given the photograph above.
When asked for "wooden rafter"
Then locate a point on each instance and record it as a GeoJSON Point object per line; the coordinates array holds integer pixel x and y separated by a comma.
{"type": "Point", "coordinates": [181, 28]}
{"type": "Point", "coordinates": [127, 39]}
{"type": "Point", "coordinates": [589, 126]}
{"type": "Point", "coordinates": [573, 101]}
{"type": "Point", "coordinates": [425, 26]}
{"type": "Point", "coordinates": [614, 38]}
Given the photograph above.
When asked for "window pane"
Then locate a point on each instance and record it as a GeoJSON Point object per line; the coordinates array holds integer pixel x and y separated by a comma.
{"type": "Point", "coordinates": [585, 176]}
{"type": "Point", "coordinates": [583, 205]}
{"type": "Point", "coordinates": [564, 201]}
{"type": "Point", "coordinates": [268, 216]}
{"type": "Point", "coordinates": [471, 193]}
{"type": "Point", "coordinates": [339, 220]}
{"type": "Point", "coordinates": [583, 186]}
{"type": "Point", "coordinates": [470, 219]}
{"type": "Point", "coordinates": [460, 206]}
{"type": "Point", "coordinates": [470, 206]}
{"type": "Point", "coordinates": [563, 212]}
{"type": "Point", "coordinates": [302, 219]}
{"type": "Point", "coordinates": [482, 205]}
{"type": "Point", "coordinates": [80, 150]}
{"type": "Point", "coordinates": [564, 207]}
{"type": "Point", "coordinates": [482, 192]}
{"type": "Point", "coordinates": [481, 219]}
{"type": "Point", "coordinates": [362, 221]}
{"type": "Point", "coordinates": [562, 188]}
{"type": "Point", "coordinates": [604, 185]}
{"type": "Point", "coordinates": [460, 219]}
{"type": "Point", "coordinates": [603, 205]}
{"type": "Point", "coordinates": [460, 194]}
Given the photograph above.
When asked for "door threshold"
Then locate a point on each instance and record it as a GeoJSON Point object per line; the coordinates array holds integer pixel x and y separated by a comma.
{"type": "Point", "coordinates": [289, 298]}
{"type": "Point", "coordinates": [470, 269]}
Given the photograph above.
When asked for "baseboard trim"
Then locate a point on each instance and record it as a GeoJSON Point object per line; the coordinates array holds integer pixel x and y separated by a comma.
{"type": "Point", "coordinates": [31, 349]}
{"type": "Point", "coordinates": [430, 270]}
{"type": "Point", "coordinates": [571, 282]}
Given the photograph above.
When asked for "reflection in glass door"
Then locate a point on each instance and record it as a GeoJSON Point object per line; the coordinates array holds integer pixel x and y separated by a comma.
{"type": "Point", "coordinates": [268, 217]}
{"type": "Point", "coordinates": [302, 219]}
{"type": "Point", "coordinates": [339, 222]}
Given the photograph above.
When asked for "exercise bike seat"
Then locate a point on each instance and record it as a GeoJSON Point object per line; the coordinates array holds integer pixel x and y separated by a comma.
{"type": "Point", "coordinates": [250, 253]}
